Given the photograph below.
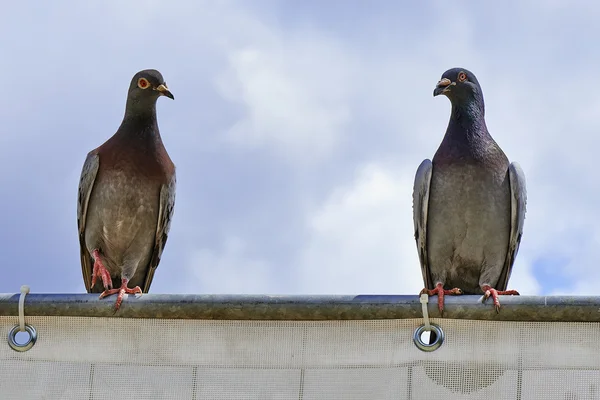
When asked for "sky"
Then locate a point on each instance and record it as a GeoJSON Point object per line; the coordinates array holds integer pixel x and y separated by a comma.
{"type": "Point", "coordinates": [296, 130]}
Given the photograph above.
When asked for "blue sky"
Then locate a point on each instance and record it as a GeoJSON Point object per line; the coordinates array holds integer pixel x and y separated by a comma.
{"type": "Point", "coordinates": [296, 130]}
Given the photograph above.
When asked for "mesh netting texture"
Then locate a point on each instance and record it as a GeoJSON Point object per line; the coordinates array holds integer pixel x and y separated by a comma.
{"type": "Point", "coordinates": [98, 358]}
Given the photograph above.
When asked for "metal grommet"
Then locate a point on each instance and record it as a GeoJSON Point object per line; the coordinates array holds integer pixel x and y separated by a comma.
{"type": "Point", "coordinates": [438, 338]}
{"type": "Point", "coordinates": [12, 338]}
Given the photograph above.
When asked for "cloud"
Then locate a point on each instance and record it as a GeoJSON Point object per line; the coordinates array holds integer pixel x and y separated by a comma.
{"type": "Point", "coordinates": [294, 91]}
{"type": "Point", "coordinates": [359, 239]}
{"type": "Point", "coordinates": [232, 269]}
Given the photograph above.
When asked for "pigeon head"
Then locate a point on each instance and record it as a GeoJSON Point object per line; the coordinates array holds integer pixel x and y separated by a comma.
{"type": "Point", "coordinates": [147, 86]}
{"type": "Point", "coordinates": [460, 86]}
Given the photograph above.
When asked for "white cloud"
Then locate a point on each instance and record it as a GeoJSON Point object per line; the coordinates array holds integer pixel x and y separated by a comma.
{"type": "Point", "coordinates": [230, 270]}
{"type": "Point", "coordinates": [294, 91]}
{"type": "Point", "coordinates": [360, 238]}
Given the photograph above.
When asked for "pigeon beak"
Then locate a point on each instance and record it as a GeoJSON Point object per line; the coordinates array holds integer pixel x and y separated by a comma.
{"type": "Point", "coordinates": [442, 87]}
{"type": "Point", "coordinates": [164, 91]}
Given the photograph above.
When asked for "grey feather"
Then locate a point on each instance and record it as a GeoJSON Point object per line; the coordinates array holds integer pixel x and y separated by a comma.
{"type": "Point", "coordinates": [165, 214]}
{"type": "Point", "coordinates": [420, 210]}
{"type": "Point", "coordinates": [86, 184]}
{"type": "Point", "coordinates": [518, 199]}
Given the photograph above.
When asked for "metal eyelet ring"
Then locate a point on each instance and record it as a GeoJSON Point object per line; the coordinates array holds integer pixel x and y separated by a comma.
{"type": "Point", "coordinates": [437, 340]}
{"type": "Point", "coordinates": [12, 338]}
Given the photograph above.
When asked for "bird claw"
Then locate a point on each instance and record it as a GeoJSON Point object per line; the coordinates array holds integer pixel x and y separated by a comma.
{"type": "Point", "coordinates": [120, 292]}
{"type": "Point", "coordinates": [100, 271]}
{"type": "Point", "coordinates": [493, 293]}
{"type": "Point", "coordinates": [440, 292]}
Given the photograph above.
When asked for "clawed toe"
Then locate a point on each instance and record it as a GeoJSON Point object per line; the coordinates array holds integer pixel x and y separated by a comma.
{"type": "Point", "coordinates": [440, 292]}
{"type": "Point", "coordinates": [121, 292]}
{"type": "Point", "coordinates": [489, 291]}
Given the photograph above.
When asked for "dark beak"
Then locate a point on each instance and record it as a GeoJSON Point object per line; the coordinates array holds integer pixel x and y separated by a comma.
{"type": "Point", "coordinates": [442, 87]}
{"type": "Point", "coordinates": [164, 91]}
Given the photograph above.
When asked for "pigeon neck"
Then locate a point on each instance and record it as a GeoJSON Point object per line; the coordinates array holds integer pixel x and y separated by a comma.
{"type": "Point", "coordinates": [468, 119]}
{"type": "Point", "coordinates": [140, 108]}
{"type": "Point", "coordinates": [139, 126]}
{"type": "Point", "coordinates": [140, 116]}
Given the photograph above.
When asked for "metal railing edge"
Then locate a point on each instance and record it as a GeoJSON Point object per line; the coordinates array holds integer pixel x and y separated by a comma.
{"type": "Point", "coordinates": [309, 307]}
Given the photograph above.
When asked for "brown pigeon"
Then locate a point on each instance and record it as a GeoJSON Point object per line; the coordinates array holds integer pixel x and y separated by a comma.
{"type": "Point", "coordinates": [468, 203]}
{"type": "Point", "coordinates": [126, 198]}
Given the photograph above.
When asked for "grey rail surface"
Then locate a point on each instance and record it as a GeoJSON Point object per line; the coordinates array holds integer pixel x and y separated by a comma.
{"type": "Point", "coordinates": [325, 307]}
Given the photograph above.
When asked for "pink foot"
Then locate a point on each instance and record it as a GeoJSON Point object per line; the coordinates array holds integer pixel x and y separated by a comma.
{"type": "Point", "coordinates": [440, 292]}
{"type": "Point", "coordinates": [490, 291]}
{"type": "Point", "coordinates": [121, 292]}
{"type": "Point", "coordinates": [100, 271]}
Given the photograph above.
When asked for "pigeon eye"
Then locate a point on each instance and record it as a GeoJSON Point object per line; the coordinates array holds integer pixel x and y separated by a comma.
{"type": "Point", "coordinates": [462, 77]}
{"type": "Point", "coordinates": [143, 83]}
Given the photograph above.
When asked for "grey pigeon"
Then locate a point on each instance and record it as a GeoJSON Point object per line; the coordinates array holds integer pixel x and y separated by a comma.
{"type": "Point", "coordinates": [126, 198]}
{"type": "Point", "coordinates": [468, 203]}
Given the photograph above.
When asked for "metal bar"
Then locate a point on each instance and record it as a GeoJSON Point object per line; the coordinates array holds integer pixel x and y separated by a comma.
{"type": "Point", "coordinates": [263, 307]}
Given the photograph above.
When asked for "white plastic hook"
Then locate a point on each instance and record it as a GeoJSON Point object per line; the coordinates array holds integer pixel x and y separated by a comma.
{"type": "Point", "coordinates": [22, 327]}
{"type": "Point", "coordinates": [424, 300]}
{"type": "Point", "coordinates": [24, 292]}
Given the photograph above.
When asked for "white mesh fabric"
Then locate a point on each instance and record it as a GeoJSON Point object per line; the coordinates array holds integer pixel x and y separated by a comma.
{"type": "Point", "coordinates": [100, 358]}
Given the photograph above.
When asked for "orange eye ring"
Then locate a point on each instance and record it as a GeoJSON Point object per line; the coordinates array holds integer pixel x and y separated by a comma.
{"type": "Point", "coordinates": [462, 77]}
{"type": "Point", "coordinates": [143, 83]}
